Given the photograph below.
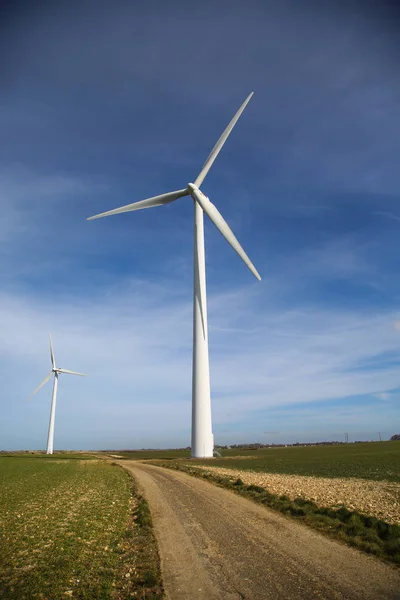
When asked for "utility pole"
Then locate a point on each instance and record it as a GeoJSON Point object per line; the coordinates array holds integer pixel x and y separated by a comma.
{"type": "Point", "coordinates": [380, 439]}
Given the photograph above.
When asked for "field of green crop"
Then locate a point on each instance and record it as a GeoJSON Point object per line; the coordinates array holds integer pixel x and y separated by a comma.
{"type": "Point", "coordinates": [151, 454]}
{"type": "Point", "coordinates": [42, 454]}
{"type": "Point", "coordinates": [68, 528]}
{"type": "Point", "coordinates": [374, 460]}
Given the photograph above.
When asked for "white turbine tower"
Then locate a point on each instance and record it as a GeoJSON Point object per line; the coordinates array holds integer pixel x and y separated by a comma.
{"type": "Point", "coordinates": [202, 437]}
{"type": "Point", "coordinates": [56, 371]}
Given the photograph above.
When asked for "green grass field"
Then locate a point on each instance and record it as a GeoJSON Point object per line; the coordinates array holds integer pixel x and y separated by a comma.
{"type": "Point", "coordinates": [374, 460]}
{"type": "Point", "coordinates": [151, 454]}
{"type": "Point", "coordinates": [42, 454]}
{"type": "Point", "coordinates": [69, 528]}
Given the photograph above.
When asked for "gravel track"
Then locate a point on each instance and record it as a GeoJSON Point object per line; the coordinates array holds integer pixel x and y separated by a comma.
{"type": "Point", "coordinates": [217, 545]}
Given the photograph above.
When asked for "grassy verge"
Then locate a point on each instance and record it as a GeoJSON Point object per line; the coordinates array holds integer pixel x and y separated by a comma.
{"type": "Point", "coordinates": [369, 534]}
{"type": "Point", "coordinates": [73, 528]}
{"type": "Point", "coordinates": [147, 582]}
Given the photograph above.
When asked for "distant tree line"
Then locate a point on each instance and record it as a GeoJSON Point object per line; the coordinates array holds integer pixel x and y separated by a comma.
{"type": "Point", "coordinates": [257, 445]}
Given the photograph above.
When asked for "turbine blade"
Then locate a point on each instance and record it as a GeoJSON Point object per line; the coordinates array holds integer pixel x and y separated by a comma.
{"type": "Point", "coordinates": [71, 372]}
{"type": "Point", "coordinates": [42, 384]}
{"type": "Point", "coordinates": [215, 151]}
{"type": "Point", "coordinates": [148, 203]}
{"type": "Point", "coordinates": [226, 231]}
{"type": "Point", "coordinates": [53, 361]}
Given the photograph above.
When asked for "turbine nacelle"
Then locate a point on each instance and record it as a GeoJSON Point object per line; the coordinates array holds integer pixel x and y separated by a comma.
{"type": "Point", "coordinates": [196, 193]}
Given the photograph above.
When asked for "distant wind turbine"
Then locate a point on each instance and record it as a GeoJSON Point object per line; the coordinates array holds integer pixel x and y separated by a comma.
{"type": "Point", "coordinates": [202, 436]}
{"type": "Point", "coordinates": [56, 371]}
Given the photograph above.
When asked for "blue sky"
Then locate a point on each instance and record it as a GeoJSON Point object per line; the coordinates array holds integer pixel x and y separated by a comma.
{"type": "Point", "coordinates": [102, 104]}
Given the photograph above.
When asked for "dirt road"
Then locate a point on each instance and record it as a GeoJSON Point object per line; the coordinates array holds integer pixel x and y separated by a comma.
{"type": "Point", "coordinates": [217, 545]}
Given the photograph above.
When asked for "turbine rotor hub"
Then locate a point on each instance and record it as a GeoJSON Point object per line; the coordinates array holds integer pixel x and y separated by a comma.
{"type": "Point", "coordinates": [191, 187]}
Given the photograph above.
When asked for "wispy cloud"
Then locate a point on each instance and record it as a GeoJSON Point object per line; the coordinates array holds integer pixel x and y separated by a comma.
{"type": "Point", "coordinates": [138, 355]}
{"type": "Point", "coordinates": [388, 215]}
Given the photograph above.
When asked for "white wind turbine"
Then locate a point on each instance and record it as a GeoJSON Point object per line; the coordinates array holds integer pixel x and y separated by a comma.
{"type": "Point", "coordinates": [202, 436]}
{"type": "Point", "coordinates": [56, 371]}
